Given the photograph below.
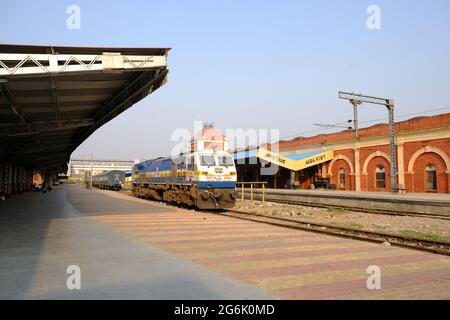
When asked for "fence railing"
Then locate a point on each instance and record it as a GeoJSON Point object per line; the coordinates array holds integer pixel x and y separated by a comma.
{"type": "Point", "coordinates": [252, 186]}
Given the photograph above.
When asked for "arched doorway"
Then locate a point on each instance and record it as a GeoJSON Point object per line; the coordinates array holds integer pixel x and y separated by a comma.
{"type": "Point", "coordinates": [377, 174]}
{"type": "Point", "coordinates": [429, 173]}
{"type": "Point", "coordinates": [341, 175]}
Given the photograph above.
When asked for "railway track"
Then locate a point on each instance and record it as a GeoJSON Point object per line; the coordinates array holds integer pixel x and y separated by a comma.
{"type": "Point", "coordinates": [374, 211]}
{"type": "Point", "coordinates": [438, 247]}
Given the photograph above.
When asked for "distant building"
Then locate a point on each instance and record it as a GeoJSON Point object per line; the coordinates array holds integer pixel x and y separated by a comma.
{"type": "Point", "coordinates": [79, 169]}
{"type": "Point", "coordinates": [209, 138]}
{"type": "Point", "coordinates": [359, 164]}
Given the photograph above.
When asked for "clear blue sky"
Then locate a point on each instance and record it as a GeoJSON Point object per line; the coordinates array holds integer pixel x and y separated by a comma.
{"type": "Point", "coordinates": [253, 64]}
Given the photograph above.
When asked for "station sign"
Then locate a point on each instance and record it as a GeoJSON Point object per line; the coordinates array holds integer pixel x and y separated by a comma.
{"type": "Point", "coordinates": [295, 165]}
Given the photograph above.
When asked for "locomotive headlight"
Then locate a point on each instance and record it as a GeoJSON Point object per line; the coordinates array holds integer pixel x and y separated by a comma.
{"type": "Point", "coordinates": [205, 195]}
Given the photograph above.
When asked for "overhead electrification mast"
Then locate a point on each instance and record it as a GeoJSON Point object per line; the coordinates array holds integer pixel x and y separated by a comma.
{"type": "Point", "coordinates": [358, 99]}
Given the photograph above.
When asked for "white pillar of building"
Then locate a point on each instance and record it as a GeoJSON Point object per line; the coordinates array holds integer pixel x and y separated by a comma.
{"type": "Point", "coordinates": [357, 171]}
{"type": "Point", "coordinates": [401, 165]}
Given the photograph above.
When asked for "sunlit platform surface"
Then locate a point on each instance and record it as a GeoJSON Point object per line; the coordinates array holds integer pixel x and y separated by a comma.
{"type": "Point", "coordinates": [133, 248]}
{"type": "Point", "coordinates": [42, 234]}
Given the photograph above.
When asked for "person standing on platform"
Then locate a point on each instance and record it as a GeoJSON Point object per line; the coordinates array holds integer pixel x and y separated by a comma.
{"type": "Point", "coordinates": [44, 186]}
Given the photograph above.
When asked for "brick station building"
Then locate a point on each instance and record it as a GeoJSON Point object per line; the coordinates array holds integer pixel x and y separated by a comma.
{"type": "Point", "coordinates": [362, 164]}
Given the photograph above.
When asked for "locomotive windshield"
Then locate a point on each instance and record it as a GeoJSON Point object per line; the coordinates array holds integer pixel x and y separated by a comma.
{"type": "Point", "coordinates": [225, 161]}
{"type": "Point", "coordinates": [207, 160]}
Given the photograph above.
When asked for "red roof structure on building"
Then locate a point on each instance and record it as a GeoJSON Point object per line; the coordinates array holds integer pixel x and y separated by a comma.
{"type": "Point", "coordinates": [414, 124]}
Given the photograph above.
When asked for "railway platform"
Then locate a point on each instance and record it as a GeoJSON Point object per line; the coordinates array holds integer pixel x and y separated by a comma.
{"type": "Point", "coordinates": [42, 234]}
{"type": "Point", "coordinates": [133, 248]}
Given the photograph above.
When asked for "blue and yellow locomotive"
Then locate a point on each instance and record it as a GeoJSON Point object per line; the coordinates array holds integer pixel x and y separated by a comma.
{"type": "Point", "coordinates": [203, 179]}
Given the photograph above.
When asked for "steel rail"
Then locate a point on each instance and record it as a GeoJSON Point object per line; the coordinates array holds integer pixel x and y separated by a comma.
{"type": "Point", "coordinates": [374, 211]}
{"type": "Point", "coordinates": [439, 247]}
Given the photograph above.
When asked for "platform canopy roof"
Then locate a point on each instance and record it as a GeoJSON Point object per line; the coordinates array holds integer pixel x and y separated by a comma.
{"type": "Point", "coordinates": [53, 98]}
{"type": "Point", "coordinates": [294, 162]}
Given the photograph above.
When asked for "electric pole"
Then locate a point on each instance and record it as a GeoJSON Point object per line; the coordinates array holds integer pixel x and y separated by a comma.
{"type": "Point", "coordinates": [358, 99]}
{"type": "Point", "coordinates": [355, 104]}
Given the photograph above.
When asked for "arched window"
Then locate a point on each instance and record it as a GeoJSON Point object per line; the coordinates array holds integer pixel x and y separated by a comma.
{"type": "Point", "coordinates": [380, 176]}
{"type": "Point", "coordinates": [341, 178]}
{"type": "Point", "coordinates": [430, 178]}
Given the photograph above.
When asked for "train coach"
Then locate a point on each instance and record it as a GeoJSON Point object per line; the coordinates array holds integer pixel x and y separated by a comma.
{"type": "Point", "coordinates": [111, 180]}
{"type": "Point", "coordinates": [204, 179]}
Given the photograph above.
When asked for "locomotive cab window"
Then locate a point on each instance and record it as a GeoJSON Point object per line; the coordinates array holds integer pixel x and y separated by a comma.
{"type": "Point", "coordinates": [207, 160]}
{"type": "Point", "coordinates": [225, 161]}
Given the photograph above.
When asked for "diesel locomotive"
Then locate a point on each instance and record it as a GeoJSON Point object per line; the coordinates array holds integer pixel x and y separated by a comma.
{"type": "Point", "coordinates": [203, 179]}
